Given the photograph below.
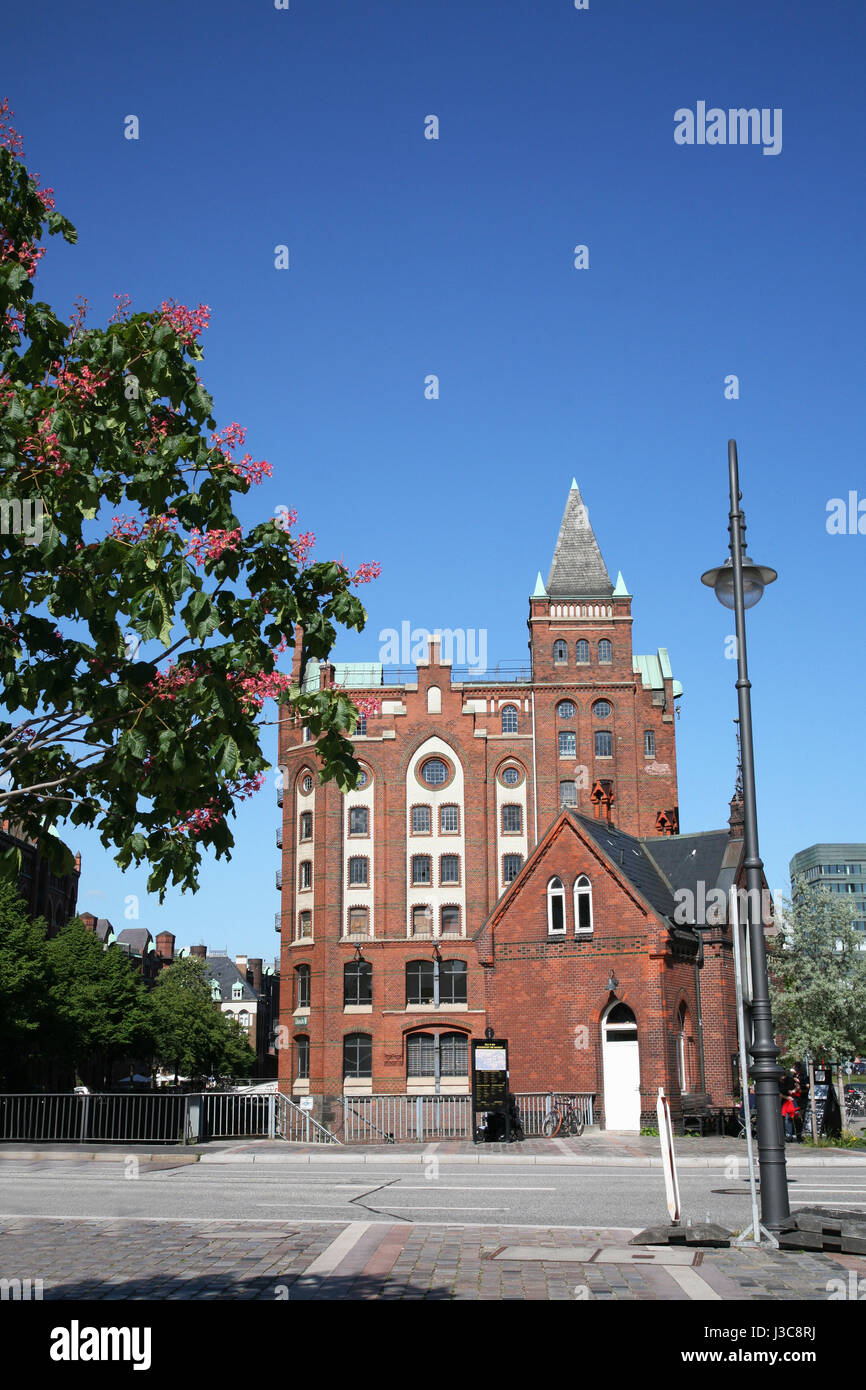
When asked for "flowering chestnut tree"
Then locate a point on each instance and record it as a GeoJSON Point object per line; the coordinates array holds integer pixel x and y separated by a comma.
{"type": "Point", "coordinates": [140, 625]}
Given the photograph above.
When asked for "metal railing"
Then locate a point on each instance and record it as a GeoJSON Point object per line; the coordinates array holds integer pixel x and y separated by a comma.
{"type": "Point", "coordinates": [105, 1119]}
{"type": "Point", "coordinates": [297, 1126]}
{"type": "Point", "coordinates": [397, 1118]}
{"type": "Point", "coordinates": [233, 1115]}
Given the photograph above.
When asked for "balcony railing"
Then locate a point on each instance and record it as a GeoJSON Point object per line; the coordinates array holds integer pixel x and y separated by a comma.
{"type": "Point", "coordinates": [280, 796]}
{"type": "Point", "coordinates": [278, 921]}
{"type": "Point", "coordinates": [279, 837]}
{"type": "Point", "coordinates": [279, 877]}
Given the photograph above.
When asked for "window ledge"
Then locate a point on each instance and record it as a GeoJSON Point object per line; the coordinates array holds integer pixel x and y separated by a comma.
{"type": "Point", "coordinates": [357, 1008]}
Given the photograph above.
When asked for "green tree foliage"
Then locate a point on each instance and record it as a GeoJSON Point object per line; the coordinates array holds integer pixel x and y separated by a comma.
{"type": "Point", "coordinates": [818, 975]}
{"type": "Point", "coordinates": [140, 628]}
{"type": "Point", "coordinates": [25, 978]}
{"type": "Point", "coordinates": [191, 1036]}
{"type": "Point", "coordinates": [101, 1008]}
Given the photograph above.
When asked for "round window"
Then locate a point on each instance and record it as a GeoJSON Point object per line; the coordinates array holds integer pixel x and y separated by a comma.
{"type": "Point", "coordinates": [601, 709]}
{"type": "Point", "coordinates": [363, 778]}
{"type": "Point", "coordinates": [511, 776]}
{"type": "Point", "coordinates": [307, 783]}
{"type": "Point", "coordinates": [565, 709]}
{"type": "Point", "coordinates": [434, 772]}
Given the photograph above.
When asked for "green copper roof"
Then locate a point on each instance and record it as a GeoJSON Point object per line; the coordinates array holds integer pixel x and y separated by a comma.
{"type": "Point", "coordinates": [539, 591]}
{"type": "Point", "coordinates": [655, 670]}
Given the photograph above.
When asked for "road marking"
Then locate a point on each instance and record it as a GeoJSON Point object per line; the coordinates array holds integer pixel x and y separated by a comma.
{"type": "Point", "coordinates": [337, 1251]}
{"type": "Point", "coordinates": [421, 1206]}
{"type": "Point", "coordinates": [692, 1284]}
{"type": "Point", "coordinates": [486, 1187]}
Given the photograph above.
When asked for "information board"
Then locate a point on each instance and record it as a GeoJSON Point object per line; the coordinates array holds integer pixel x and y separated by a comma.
{"type": "Point", "coordinates": [490, 1080]}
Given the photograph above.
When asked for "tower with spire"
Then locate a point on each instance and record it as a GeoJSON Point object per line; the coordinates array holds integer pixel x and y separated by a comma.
{"type": "Point", "coordinates": [580, 641]}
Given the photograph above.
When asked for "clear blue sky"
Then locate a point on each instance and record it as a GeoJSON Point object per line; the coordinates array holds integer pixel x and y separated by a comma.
{"type": "Point", "coordinates": [455, 257]}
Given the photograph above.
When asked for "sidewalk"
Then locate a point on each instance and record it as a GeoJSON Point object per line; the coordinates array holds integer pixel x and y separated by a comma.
{"type": "Point", "coordinates": [602, 1148]}
{"type": "Point", "coordinates": [384, 1260]}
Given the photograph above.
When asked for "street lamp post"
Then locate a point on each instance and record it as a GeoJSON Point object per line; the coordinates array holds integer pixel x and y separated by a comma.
{"type": "Point", "coordinates": [738, 585]}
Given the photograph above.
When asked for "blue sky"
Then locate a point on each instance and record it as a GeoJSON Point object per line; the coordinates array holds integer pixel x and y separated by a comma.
{"type": "Point", "coordinates": [454, 257]}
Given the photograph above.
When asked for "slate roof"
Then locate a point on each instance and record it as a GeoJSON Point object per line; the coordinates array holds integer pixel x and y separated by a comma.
{"type": "Point", "coordinates": [226, 974]}
{"type": "Point", "coordinates": [577, 567]}
{"type": "Point", "coordinates": [629, 855]}
{"type": "Point", "coordinates": [136, 938]}
{"type": "Point", "coordinates": [103, 929]}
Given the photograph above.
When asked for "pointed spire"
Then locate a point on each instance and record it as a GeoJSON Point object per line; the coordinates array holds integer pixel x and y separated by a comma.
{"type": "Point", "coordinates": [577, 567]}
{"type": "Point", "coordinates": [620, 590]}
{"type": "Point", "coordinates": [539, 591]}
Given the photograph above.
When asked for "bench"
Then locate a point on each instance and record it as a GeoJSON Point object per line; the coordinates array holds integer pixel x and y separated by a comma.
{"type": "Point", "coordinates": [698, 1117]}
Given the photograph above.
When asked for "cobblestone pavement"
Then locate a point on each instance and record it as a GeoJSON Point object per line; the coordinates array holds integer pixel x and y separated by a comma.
{"type": "Point", "coordinates": [273, 1260]}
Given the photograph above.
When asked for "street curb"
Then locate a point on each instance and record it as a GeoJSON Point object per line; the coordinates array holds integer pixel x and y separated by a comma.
{"type": "Point", "coordinates": [98, 1156]}
{"type": "Point", "coordinates": [419, 1158]}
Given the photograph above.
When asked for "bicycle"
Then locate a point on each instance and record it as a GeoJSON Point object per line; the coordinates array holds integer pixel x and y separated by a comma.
{"type": "Point", "coordinates": [564, 1115]}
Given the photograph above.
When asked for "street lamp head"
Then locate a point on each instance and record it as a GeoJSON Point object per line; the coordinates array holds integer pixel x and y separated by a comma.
{"type": "Point", "coordinates": [755, 580]}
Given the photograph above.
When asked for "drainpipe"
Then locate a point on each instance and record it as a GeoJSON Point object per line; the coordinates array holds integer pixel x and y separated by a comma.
{"type": "Point", "coordinates": [534, 773]}
{"type": "Point", "coordinates": [699, 962]}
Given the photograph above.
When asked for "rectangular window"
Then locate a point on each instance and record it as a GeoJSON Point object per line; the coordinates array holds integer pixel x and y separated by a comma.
{"type": "Point", "coordinates": [568, 794]}
{"type": "Point", "coordinates": [452, 982]}
{"type": "Point", "coordinates": [512, 820]}
{"type": "Point", "coordinates": [358, 820]}
{"type": "Point", "coordinates": [422, 921]}
{"type": "Point", "coordinates": [358, 873]}
{"type": "Point", "coordinates": [305, 925]}
{"type": "Point", "coordinates": [357, 922]}
{"type": "Point", "coordinates": [449, 868]}
{"type": "Point", "coordinates": [306, 825]}
{"type": "Point", "coordinates": [453, 1055]}
{"type": "Point", "coordinates": [568, 744]}
{"type": "Point", "coordinates": [421, 1055]}
{"type": "Point", "coordinates": [420, 982]}
{"type": "Point", "coordinates": [302, 1059]}
{"type": "Point", "coordinates": [449, 820]}
{"type": "Point", "coordinates": [357, 984]}
{"type": "Point", "coordinates": [420, 820]}
{"type": "Point", "coordinates": [603, 744]}
{"type": "Point", "coordinates": [306, 871]}
{"type": "Point", "coordinates": [450, 921]}
{"type": "Point", "coordinates": [649, 743]}
{"type": "Point", "coordinates": [422, 869]}
{"type": "Point", "coordinates": [512, 866]}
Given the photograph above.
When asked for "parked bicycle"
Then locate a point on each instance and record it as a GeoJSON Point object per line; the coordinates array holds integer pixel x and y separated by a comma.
{"type": "Point", "coordinates": [565, 1116]}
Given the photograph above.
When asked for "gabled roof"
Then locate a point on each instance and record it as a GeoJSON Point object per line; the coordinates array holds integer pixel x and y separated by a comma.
{"type": "Point", "coordinates": [136, 938]}
{"type": "Point", "coordinates": [577, 567]}
{"type": "Point", "coordinates": [226, 974]}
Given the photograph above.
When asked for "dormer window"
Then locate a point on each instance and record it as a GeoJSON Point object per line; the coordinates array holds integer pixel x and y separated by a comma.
{"type": "Point", "coordinates": [237, 990]}
{"type": "Point", "coordinates": [215, 992]}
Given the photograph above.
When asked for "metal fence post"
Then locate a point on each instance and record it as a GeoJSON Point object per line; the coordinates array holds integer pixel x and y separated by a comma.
{"type": "Point", "coordinates": [272, 1109]}
{"type": "Point", "coordinates": [419, 1119]}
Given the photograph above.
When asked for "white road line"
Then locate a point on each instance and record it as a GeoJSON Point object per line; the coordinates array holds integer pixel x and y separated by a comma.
{"type": "Point", "coordinates": [433, 1186]}
{"type": "Point", "coordinates": [691, 1283]}
{"type": "Point", "coordinates": [337, 1251]}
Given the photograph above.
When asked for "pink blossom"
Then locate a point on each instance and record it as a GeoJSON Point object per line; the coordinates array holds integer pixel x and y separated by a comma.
{"type": "Point", "coordinates": [205, 546]}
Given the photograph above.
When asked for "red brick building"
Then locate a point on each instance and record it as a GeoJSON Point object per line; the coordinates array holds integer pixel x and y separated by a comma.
{"type": "Point", "coordinates": [507, 860]}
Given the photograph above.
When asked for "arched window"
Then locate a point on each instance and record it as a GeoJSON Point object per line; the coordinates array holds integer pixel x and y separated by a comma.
{"type": "Point", "coordinates": [555, 908]}
{"type": "Point", "coordinates": [302, 1058]}
{"type": "Point", "coordinates": [509, 719]}
{"type": "Point", "coordinates": [302, 987]}
{"type": "Point", "coordinates": [682, 1055]}
{"type": "Point", "coordinates": [244, 1018]}
{"type": "Point", "coordinates": [565, 709]}
{"type": "Point", "coordinates": [434, 700]}
{"type": "Point", "coordinates": [620, 1024]}
{"type": "Point", "coordinates": [357, 1056]}
{"type": "Point", "coordinates": [424, 1049]}
{"type": "Point", "coordinates": [357, 984]}
{"type": "Point", "coordinates": [582, 906]}
{"type": "Point", "coordinates": [582, 652]}
{"type": "Point", "coordinates": [605, 652]}
{"type": "Point", "coordinates": [560, 653]}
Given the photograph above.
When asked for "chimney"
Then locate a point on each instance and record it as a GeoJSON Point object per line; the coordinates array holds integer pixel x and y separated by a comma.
{"type": "Point", "coordinates": [255, 967]}
{"type": "Point", "coordinates": [165, 945]}
{"type": "Point", "coordinates": [736, 820]}
{"type": "Point", "coordinates": [78, 862]}
{"type": "Point", "coordinates": [89, 920]}
{"type": "Point", "coordinates": [241, 963]}
{"type": "Point", "coordinates": [200, 951]}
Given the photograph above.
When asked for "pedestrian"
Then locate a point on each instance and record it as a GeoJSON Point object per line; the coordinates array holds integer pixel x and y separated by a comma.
{"type": "Point", "coordinates": [789, 1110]}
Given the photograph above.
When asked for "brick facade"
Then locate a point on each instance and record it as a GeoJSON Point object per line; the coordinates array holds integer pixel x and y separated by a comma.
{"type": "Point", "coordinates": [487, 765]}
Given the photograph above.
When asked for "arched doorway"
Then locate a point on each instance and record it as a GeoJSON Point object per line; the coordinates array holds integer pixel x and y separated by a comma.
{"type": "Point", "coordinates": [621, 1061]}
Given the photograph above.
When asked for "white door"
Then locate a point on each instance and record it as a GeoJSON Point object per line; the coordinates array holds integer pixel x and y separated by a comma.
{"type": "Point", "coordinates": [621, 1060]}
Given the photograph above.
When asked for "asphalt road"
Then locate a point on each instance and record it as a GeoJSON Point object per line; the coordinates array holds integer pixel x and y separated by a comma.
{"type": "Point", "coordinates": [429, 1192]}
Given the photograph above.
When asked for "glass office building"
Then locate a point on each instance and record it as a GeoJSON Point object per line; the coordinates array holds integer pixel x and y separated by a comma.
{"type": "Point", "coordinates": [841, 868]}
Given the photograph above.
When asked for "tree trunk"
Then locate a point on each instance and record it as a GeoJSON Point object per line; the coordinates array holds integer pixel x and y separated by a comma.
{"type": "Point", "coordinates": [812, 1099]}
